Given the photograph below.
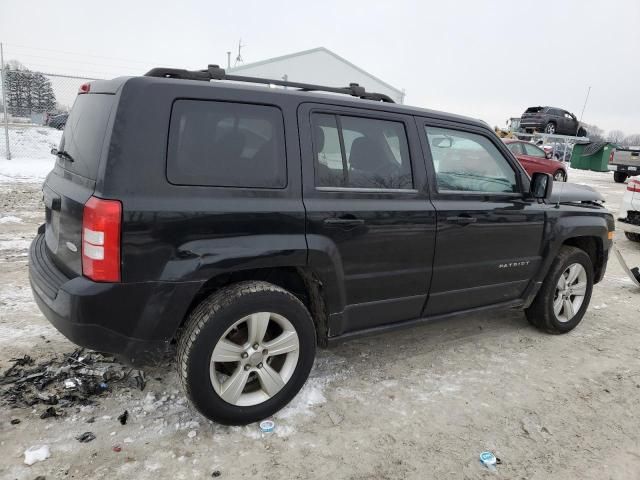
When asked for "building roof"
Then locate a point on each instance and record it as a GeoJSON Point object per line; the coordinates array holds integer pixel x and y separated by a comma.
{"type": "Point", "coordinates": [307, 52]}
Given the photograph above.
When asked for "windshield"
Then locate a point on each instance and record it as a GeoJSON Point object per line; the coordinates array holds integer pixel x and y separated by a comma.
{"type": "Point", "coordinates": [84, 134]}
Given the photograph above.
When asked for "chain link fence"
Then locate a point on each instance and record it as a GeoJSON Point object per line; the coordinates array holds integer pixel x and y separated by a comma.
{"type": "Point", "coordinates": [34, 110]}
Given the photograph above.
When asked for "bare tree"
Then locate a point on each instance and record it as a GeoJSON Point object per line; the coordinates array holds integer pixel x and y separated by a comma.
{"type": "Point", "coordinates": [615, 136]}
{"type": "Point", "coordinates": [595, 133]}
{"type": "Point", "coordinates": [632, 140]}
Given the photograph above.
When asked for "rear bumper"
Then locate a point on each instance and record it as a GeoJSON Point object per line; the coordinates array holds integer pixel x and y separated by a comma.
{"type": "Point", "coordinates": [134, 321]}
{"type": "Point", "coordinates": [532, 124]}
{"type": "Point", "coordinates": [628, 169]}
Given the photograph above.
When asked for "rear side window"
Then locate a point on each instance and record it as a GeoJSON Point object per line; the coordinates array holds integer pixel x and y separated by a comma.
{"type": "Point", "coordinates": [225, 144]}
{"type": "Point", "coordinates": [84, 133]}
{"type": "Point", "coordinates": [358, 152]}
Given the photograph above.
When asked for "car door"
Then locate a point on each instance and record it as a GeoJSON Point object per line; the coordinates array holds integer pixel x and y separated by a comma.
{"type": "Point", "coordinates": [370, 223]}
{"type": "Point", "coordinates": [537, 159]}
{"type": "Point", "coordinates": [489, 235]}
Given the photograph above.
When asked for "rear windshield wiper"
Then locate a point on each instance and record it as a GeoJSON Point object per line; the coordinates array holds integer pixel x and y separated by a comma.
{"type": "Point", "coordinates": [62, 154]}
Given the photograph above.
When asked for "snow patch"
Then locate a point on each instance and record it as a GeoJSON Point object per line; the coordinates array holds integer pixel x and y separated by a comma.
{"type": "Point", "coordinates": [10, 219]}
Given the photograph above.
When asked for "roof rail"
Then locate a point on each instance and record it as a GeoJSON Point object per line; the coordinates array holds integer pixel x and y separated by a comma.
{"type": "Point", "coordinates": [214, 72]}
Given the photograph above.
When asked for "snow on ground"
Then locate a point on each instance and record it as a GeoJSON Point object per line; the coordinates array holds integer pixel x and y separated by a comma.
{"type": "Point", "coordinates": [31, 154]}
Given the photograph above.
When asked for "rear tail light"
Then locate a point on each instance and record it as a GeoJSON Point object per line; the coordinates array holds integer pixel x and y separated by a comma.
{"type": "Point", "coordinates": [611, 156]}
{"type": "Point", "coordinates": [633, 186]}
{"type": "Point", "coordinates": [84, 88]}
{"type": "Point", "coordinates": [101, 222]}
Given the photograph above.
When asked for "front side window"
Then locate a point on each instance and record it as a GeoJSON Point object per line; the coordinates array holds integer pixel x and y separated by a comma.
{"type": "Point", "coordinates": [533, 151]}
{"type": "Point", "coordinates": [357, 152]}
{"type": "Point", "coordinates": [226, 145]}
{"type": "Point", "coordinates": [467, 162]}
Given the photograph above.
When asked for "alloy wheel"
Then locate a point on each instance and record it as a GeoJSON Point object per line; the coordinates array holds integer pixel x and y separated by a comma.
{"type": "Point", "coordinates": [570, 292]}
{"type": "Point", "coordinates": [254, 359]}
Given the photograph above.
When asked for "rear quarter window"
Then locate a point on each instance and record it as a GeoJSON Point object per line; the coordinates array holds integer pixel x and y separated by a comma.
{"type": "Point", "coordinates": [84, 133]}
{"type": "Point", "coordinates": [222, 144]}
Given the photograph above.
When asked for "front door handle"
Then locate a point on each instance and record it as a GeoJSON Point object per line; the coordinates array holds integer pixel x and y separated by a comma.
{"type": "Point", "coordinates": [345, 220]}
{"type": "Point", "coordinates": [462, 220]}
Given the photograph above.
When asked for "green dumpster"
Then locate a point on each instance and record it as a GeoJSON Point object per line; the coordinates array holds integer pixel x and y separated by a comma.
{"type": "Point", "coordinates": [591, 156]}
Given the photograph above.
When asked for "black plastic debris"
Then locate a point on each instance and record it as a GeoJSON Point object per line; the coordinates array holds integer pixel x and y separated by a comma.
{"type": "Point", "coordinates": [75, 379]}
{"type": "Point", "coordinates": [216, 473]}
{"type": "Point", "coordinates": [86, 437]}
{"type": "Point", "coordinates": [51, 412]}
{"type": "Point", "coordinates": [15, 421]}
{"type": "Point", "coordinates": [123, 418]}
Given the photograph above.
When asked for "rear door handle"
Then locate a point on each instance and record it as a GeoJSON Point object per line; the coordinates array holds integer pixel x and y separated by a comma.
{"type": "Point", "coordinates": [343, 221]}
{"type": "Point", "coordinates": [462, 220]}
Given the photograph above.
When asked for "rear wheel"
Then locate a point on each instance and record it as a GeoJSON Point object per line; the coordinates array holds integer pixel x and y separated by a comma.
{"type": "Point", "coordinates": [634, 237]}
{"type": "Point", "coordinates": [245, 352]}
{"type": "Point", "coordinates": [582, 132]}
{"type": "Point", "coordinates": [565, 294]}
{"type": "Point", "coordinates": [550, 128]}
{"type": "Point", "coordinates": [560, 176]}
{"type": "Point", "coordinates": [619, 177]}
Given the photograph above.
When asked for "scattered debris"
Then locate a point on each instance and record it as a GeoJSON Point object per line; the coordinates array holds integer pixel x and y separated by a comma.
{"type": "Point", "coordinates": [69, 380]}
{"type": "Point", "coordinates": [15, 421]}
{"type": "Point", "coordinates": [40, 477]}
{"type": "Point", "coordinates": [335, 417]}
{"type": "Point", "coordinates": [128, 440]}
{"type": "Point", "coordinates": [489, 460]}
{"type": "Point", "coordinates": [117, 448]}
{"type": "Point", "coordinates": [91, 419]}
{"type": "Point", "coordinates": [86, 437]}
{"type": "Point", "coordinates": [267, 426]}
{"type": "Point", "coordinates": [216, 473]}
{"type": "Point", "coordinates": [123, 418]}
{"type": "Point", "coordinates": [35, 454]}
{"type": "Point", "coordinates": [51, 412]}
{"type": "Point", "coordinates": [192, 434]}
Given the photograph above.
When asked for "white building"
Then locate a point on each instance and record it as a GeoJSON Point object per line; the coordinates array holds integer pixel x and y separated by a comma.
{"type": "Point", "coordinates": [320, 67]}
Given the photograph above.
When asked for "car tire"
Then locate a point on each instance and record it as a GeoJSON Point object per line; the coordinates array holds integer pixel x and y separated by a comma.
{"type": "Point", "coordinates": [634, 237]}
{"type": "Point", "coordinates": [619, 177]}
{"type": "Point", "coordinates": [559, 176]}
{"type": "Point", "coordinates": [218, 324]}
{"type": "Point", "coordinates": [543, 312]}
{"type": "Point", "coordinates": [550, 128]}
{"type": "Point", "coordinates": [582, 132]}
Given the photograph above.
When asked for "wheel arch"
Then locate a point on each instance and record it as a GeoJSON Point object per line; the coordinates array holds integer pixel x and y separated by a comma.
{"type": "Point", "coordinates": [592, 246]}
{"type": "Point", "coordinates": [303, 283]}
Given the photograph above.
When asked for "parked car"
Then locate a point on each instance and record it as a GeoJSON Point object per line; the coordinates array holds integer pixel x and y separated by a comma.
{"type": "Point", "coordinates": [535, 159]}
{"type": "Point", "coordinates": [551, 120]}
{"type": "Point", "coordinates": [624, 163]}
{"type": "Point", "coordinates": [58, 121]}
{"type": "Point", "coordinates": [250, 224]}
{"type": "Point", "coordinates": [629, 216]}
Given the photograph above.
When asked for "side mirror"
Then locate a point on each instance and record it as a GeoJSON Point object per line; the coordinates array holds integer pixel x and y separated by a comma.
{"type": "Point", "coordinates": [541, 186]}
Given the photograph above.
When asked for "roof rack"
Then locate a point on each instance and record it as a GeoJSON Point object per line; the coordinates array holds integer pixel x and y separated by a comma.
{"type": "Point", "coordinates": [214, 72]}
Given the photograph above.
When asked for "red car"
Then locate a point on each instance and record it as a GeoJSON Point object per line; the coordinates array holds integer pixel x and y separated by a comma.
{"type": "Point", "coordinates": [534, 159]}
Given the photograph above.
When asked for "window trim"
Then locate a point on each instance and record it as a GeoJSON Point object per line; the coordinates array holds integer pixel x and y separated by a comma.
{"type": "Point", "coordinates": [370, 116]}
{"type": "Point", "coordinates": [285, 186]}
{"type": "Point", "coordinates": [424, 123]}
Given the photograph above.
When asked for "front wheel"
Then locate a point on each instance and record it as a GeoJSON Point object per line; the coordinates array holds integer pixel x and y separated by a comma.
{"type": "Point", "coordinates": [565, 294]}
{"type": "Point", "coordinates": [245, 352]}
{"type": "Point", "coordinates": [560, 176]}
{"type": "Point", "coordinates": [619, 177]}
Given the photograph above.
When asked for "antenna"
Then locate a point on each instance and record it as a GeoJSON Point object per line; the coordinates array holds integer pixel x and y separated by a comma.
{"type": "Point", "coordinates": [583, 107]}
{"type": "Point", "coordinates": [228, 59]}
{"type": "Point", "coordinates": [239, 57]}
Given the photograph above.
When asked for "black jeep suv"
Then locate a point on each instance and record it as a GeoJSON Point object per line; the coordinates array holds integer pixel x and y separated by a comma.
{"type": "Point", "coordinates": [551, 120]}
{"type": "Point", "coordinates": [250, 224]}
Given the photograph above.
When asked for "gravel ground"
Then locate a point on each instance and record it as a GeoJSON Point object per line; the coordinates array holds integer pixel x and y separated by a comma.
{"type": "Point", "coordinates": [419, 403]}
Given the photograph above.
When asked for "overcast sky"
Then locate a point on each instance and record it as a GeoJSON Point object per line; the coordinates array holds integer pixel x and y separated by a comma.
{"type": "Point", "coordinates": [486, 59]}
